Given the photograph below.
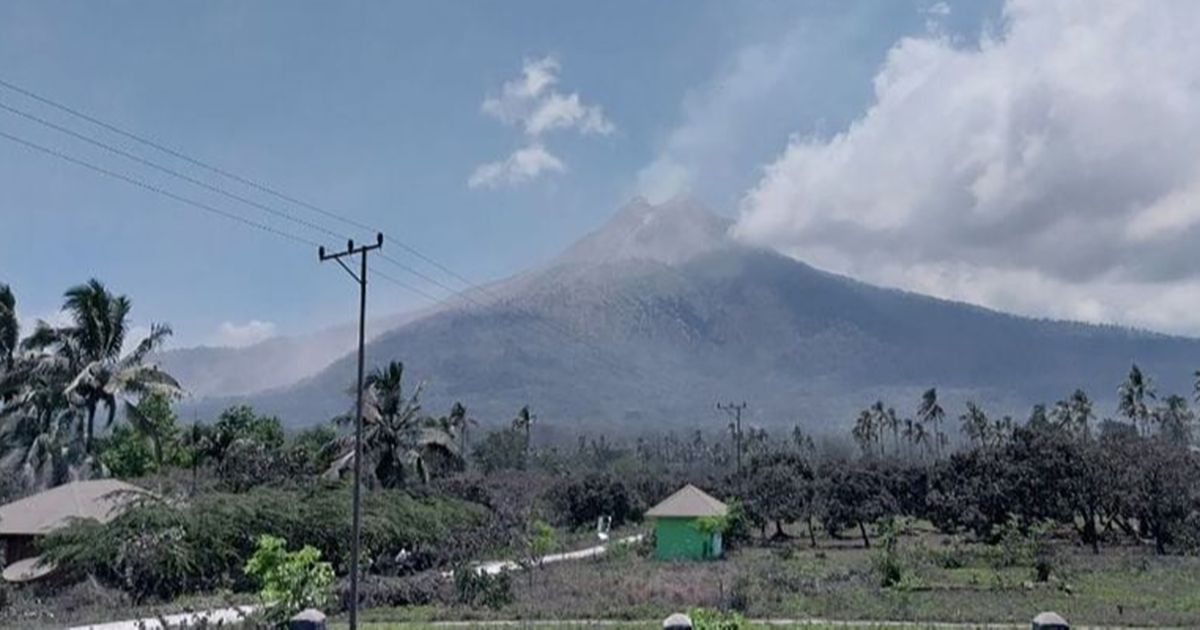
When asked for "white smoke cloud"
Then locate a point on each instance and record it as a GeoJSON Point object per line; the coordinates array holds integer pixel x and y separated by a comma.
{"type": "Point", "coordinates": [1053, 169]}
{"type": "Point", "coordinates": [233, 335]}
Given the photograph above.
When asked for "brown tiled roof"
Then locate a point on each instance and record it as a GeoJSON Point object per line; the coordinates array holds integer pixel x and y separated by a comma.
{"type": "Point", "coordinates": [689, 501]}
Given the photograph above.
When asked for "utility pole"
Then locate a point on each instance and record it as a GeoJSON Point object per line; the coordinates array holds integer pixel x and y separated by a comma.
{"type": "Point", "coordinates": [361, 278]}
{"type": "Point", "coordinates": [735, 412]}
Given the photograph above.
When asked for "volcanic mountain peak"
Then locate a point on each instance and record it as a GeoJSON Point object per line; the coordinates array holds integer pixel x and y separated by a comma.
{"type": "Point", "coordinates": [670, 232]}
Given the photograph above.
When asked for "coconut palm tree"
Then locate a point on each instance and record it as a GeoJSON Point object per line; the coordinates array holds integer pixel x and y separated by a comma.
{"type": "Point", "coordinates": [931, 412]}
{"type": "Point", "coordinates": [864, 431]}
{"type": "Point", "coordinates": [39, 429]}
{"type": "Point", "coordinates": [921, 439]}
{"type": "Point", "coordinates": [975, 424]}
{"type": "Point", "coordinates": [459, 422]}
{"type": "Point", "coordinates": [524, 422]}
{"type": "Point", "coordinates": [1132, 397]}
{"type": "Point", "coordinates": [91, 346]}
{"type": "Point", "coordinates": [397, 440]}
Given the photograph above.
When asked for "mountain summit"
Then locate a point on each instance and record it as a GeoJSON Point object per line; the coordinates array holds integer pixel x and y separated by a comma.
{"type": "Point", "coordinates": [671, 232]}
{"type": "Point", "coordinates": [658, 314]}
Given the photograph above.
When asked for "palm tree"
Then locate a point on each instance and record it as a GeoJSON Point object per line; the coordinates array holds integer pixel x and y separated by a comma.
{"type": "Point", "coordinates": [975, 424]}
{"type": "Point", "coordinates": [921, 439]}
{"type": "Point", "coordinates": [1132, 396]}
{"type": "Point", "coordinates": [524, 421]}
{"type": "Point", "coordinates": [931, 412]}
{"type": "Point", "coordinates": [909, 432]}
{"type": "Point", "coordinates": [91, 348]}
{"type": "Point", "coordinates": [397, 440]}
{"type": "Point", "coordinates": [9, 326]}
{"type": "Point", "coordinates": [458, 422]}
{"type": "Point", "coordinates": [864, 431]}
{"type": "Point", "coordinates": [893, 422]}
{"type": "Point", "coordinates": [38, 427]}
{"type": "Point", "coordinates": [1175, 420]}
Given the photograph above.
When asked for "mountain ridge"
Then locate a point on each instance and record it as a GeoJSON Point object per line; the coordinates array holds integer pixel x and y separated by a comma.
{"type": "Point", "coordinates": [654, 316]}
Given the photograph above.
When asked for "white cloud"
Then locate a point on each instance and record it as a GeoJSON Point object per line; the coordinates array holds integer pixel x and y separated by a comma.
{"type": "Point", "coordinates": [531, 102]}
{"type": "Point", "coordinates": [524, 165]}
{"type": "Point", "coordinates": [234, 335]}
{"type": "Point", "coordinates": [938, 8]}
{"type": "Point", "coordinates": [1051, 170]}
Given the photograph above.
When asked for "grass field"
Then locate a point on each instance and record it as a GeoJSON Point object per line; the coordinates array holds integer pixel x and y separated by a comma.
{"type": "Point", "coordinates": [652, 625]}
{"type": "Point", "coordinates": [944, 581]}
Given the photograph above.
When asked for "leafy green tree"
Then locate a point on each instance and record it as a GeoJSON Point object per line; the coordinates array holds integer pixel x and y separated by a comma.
{"type": "Point", "coordinates": [854, 495]}
{"type": "Point", "coordinates": [125, 453]}
{"type": "Point", "coordinates": [289, 581]}
{"type": "Point", "coordinates": [779, 488]}
{"type": "Point", "coordinates": [153, 419]}
{"type": "Point", "coordinates": [310, 447]}
{"type": "Point", "coordinates": [502, 449]}
{"type": "Point", "coordinates": [239, 424]}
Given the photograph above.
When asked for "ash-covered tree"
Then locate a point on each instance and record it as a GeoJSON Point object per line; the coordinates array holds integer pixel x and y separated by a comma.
{"type": "Point", "coordinates": [778, 488]}
{"type": "Point", "coordinates": [90, 349]}
{"type": "Point", "coordinates": [1134, 397]}
{"type": "Point", "coordinates": [930, 413]}
{"type": "Point", "coordinates": [854, 495]}
{"type": "Point", "coordinates": [399, 444]}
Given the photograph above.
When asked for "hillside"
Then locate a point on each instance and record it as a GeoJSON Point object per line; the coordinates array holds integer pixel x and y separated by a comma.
{"type": "Point", "coordinates": [658, 315]}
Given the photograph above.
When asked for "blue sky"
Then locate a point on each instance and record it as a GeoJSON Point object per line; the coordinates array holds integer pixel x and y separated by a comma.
{"type": "Point", "coordinates": [375, 110]}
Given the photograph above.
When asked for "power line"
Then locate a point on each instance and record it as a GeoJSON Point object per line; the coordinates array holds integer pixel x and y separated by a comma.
{"type": "Point", "coordinates": [405, 285]}
{"type": "Point", "coordinates": [216, 189]}
{"type": "Point", "coordinates": [226, 173]}
{"type": "Point", "coordinates": [169, 171]}
{"type": "Point", "coordinates": [155, 189]}
{"type": "Point", "coordinates": [601, 355]}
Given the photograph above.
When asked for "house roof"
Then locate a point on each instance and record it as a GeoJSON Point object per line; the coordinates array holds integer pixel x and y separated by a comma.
{"type": "Point", "coordinates": [44, 512]}
{"type": "Point", "coordinates": [689, 501]}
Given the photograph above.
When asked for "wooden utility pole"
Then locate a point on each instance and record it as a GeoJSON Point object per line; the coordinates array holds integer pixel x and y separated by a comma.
{"type": "Point", "coordinates": [735, 412]}
{"type": "Point", "coordinates": [361, 278]}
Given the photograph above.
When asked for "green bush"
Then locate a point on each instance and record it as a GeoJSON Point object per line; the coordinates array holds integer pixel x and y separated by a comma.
{"type": "Point", "coordinates": [163, 550]}
{"type": "Point", "coordinates": [289, 581]}
{"type": "Point", "coordinates": [709, 619]}
{"type": "Point", "coordinates": [474, 588]}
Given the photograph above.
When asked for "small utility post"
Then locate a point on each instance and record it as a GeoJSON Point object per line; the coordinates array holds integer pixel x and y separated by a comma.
{"type": "Point", "coordinates": [361, 278]}
{"type": "Point", "coordinates": [735, 411]}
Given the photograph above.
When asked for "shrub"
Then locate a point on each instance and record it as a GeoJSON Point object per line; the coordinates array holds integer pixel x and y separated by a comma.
{"type": "Point", "coordinates": [377, 591]}
{"type": "Point", "coordinates": [473, 588]}
{"type": "Point", "coordinates": [581, 502]}
{"type": "Point", "coordinates": [163, 550]}
{"type": "Point", "coordinates": [289, 581]}
{"type": "Point", "coordinates": [709, 619]}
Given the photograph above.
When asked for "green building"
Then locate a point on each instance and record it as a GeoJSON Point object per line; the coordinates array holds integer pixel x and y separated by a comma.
{"type": "Point", "coordinates": [677, 531]}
